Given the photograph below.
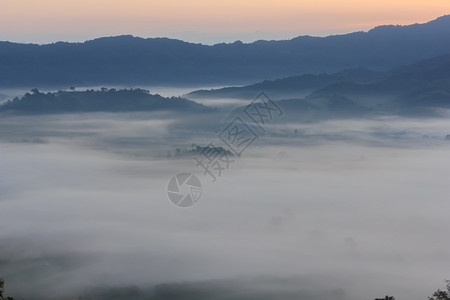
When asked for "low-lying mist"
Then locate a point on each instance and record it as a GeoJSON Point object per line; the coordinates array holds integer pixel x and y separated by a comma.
{"type": "Point", "coordinates": [343, 209]}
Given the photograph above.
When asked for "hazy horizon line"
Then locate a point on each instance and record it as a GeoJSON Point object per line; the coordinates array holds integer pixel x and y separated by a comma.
{"type": "Point", "coordinates": [245, 38]}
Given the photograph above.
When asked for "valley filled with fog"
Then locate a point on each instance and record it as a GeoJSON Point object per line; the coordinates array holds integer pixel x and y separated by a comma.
{"type": "Point", "coordinates": [347, 208]}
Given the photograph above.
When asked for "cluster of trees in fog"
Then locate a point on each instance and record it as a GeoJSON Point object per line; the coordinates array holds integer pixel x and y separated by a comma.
{"type": "Point", "coordinates": [2, 291]}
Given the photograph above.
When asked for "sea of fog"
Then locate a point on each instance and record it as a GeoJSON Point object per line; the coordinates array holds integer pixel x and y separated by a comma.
{"type": "Point", "coordinates": [355, 206]}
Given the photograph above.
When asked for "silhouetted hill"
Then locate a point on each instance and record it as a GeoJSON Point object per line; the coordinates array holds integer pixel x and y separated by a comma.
{"type": "Point", "coordinates": [359, 83]}
{"type": "Point", "coordinates": [98, 100]}
{"type": "Point", "coordinates": [417, 89]}
{"type": "Point", "coordinates": [127, 59]}
{"type": "Point", "coordinates": [295, 86]}
{"type": "Point", "coordinates": [336, 106]}
{"type": "Point", "coordinates": [435, 94]}
{"type": "Point", "coordinates": [395, 82]}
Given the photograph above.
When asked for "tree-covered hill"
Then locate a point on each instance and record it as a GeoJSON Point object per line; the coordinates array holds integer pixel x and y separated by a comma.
{"type": "Point", "coordinates": [109, 100]}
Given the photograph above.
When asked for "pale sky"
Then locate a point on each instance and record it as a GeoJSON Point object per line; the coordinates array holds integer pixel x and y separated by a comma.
{"type": "Point", "coordinates": [207, 21]}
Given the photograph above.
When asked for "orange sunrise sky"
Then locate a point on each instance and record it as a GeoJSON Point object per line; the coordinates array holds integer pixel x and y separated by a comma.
{"type": "Point", "coordinates": [204, 21]}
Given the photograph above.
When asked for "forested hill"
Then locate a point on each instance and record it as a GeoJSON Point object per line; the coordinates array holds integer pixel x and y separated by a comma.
{"type": "Point", "coordinates": [110, 100]}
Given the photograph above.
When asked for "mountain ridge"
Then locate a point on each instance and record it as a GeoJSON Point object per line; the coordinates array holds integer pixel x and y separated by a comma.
{"type": "Point", "coordinates": [162, 61]}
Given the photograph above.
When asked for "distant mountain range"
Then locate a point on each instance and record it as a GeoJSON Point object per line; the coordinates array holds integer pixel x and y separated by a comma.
{"type": "Point", "coordinates": [295, 86]}
{"type": "Point", "coordinates": [106, 100]}
{"type": "Point", "coordinates": [355, 82]}
{"type": "Point", "coordinates": [133, 60]}
{"type": "Point", "coordinates": [417, 89]}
